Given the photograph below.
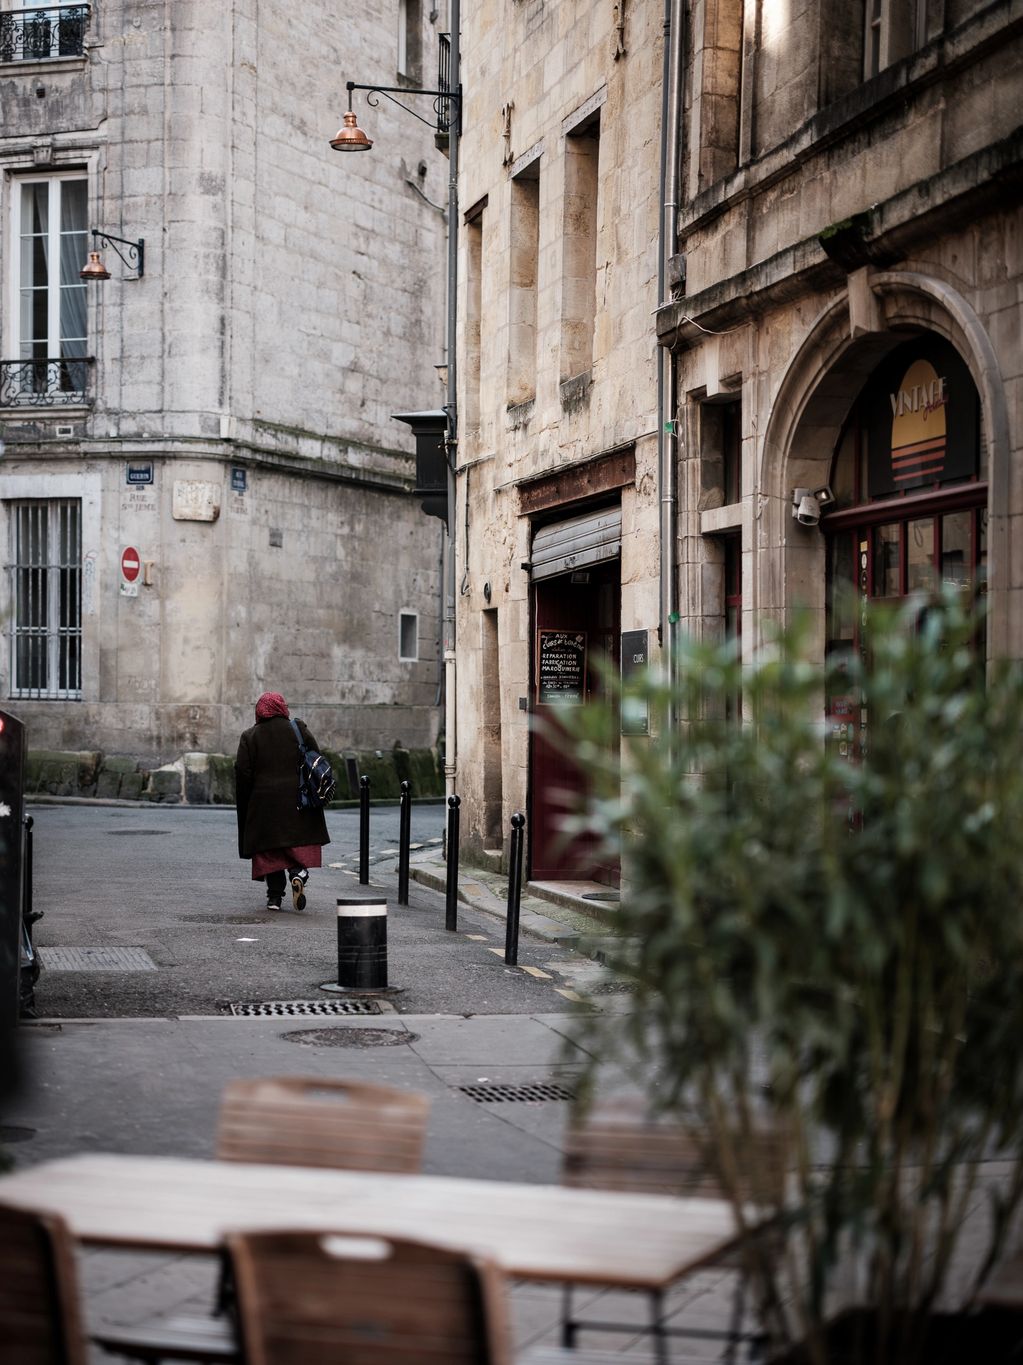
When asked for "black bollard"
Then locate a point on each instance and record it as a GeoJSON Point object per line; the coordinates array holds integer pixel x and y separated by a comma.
{"type": "Point", "coordinates": [404, 842]}
{"type": "Point", "coordinates": [511, 930]}
{"type": "Point", "coordinates": [364, 831]}
{"type": "Point", "coordinates": [26, 883]}
{"type": "Point", "coordinates": [361, 944]}
{"type": "Point", "coordinates": [451, 908]}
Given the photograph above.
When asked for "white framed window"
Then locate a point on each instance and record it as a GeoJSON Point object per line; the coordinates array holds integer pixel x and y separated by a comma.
{"type": "Point", "coordinates": [49, 342]}
{"type": "Point", "coordinates": [410, 42]}
{"type": "Point", "coordinates": [32, 32]}
{"type": "Point", "coordinates": [408, 637]}
{"type": "Point", "coordinates": [45, 567]}
{"type": "Point", "coordinates": [891, 30]}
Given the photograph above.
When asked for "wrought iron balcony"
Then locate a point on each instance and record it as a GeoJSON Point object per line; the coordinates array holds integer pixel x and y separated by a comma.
{"type": "Point", "coordinates": [447, 109]}
{"type": "Point", "coordinates": [33, 35]}
{"type": "Point", "coordinates": [46, 383]}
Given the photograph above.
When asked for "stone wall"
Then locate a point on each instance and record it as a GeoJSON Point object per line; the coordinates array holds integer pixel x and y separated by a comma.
{"type": "Point", "coordinates": [208, 779]}
{"type": "Point", "coordinates": [559, 283]}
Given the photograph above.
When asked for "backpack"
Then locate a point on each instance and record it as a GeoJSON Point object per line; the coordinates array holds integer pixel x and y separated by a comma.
{"type": "Point", "coordinates": [316, 781]}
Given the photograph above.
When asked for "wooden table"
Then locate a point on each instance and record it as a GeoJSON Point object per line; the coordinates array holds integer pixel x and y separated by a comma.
{"type": "Point", "coordinates": [535, 1232]}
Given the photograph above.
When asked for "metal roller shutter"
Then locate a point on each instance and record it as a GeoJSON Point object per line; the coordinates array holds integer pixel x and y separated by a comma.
{"type": "Point", "coordinates": [589, 539]}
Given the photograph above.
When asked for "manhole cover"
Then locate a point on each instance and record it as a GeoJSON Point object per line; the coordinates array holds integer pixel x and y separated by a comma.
{"type": "Point", "coordinates": [8, 1133]}
{"type": "Point", "coordinates": [351, 1037]}
{"type": "Point", "coordinates": [138, 831]}
{"type": "Point", "coordinates": [298, 1009]}
{"type": "Point", "coordinates": [610, 987]}
{"type": "Point", "coordinates": [97, 960]}
{"type": "Point", "coordinates": [613, 897]}
{"type": "Point", "coordinates": [491, 1092]}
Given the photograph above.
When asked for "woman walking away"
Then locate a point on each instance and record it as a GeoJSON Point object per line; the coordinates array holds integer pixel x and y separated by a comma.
{"type": "Point", "coordinates": [282, 840]}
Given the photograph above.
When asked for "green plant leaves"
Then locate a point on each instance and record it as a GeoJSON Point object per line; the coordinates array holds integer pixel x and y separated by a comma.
{"type": "Point", "coordinates": [834, 946]}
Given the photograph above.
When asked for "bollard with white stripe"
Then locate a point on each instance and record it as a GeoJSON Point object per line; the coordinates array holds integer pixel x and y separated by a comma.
{"type": "Point", "coordinates": [361, 944]}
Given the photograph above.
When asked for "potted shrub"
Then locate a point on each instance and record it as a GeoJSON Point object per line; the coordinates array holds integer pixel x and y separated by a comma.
{"type": "Point", "coordinates": [822, 921]}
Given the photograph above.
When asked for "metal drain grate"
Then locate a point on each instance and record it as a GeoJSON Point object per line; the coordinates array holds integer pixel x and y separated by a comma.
{"type": "Point", "coordinates": [494, 1093]}
{"type": "Point", "coordinates": [300, 1009]}
{"type": "Point", "coordinates": [97, 960]}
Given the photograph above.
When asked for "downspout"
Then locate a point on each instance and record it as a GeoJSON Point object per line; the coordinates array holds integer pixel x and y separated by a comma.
{"type": "Point", "coordinates": [451, 345]}
{"type": "Point", "coordinates": [667, 383]}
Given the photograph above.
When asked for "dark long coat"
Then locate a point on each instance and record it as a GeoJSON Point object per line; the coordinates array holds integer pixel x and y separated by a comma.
{"type": "Point", "coordinates": [266, 780]}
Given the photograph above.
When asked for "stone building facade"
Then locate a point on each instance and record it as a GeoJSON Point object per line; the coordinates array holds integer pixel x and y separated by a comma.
{"type": "Point", "coordinates": [848, 314]}
{"type": "Point", "coordinates": [202, 492]}
{"type": "Point", "coordinates": [557, 502]}
{"type": "Point", "coordinates": [814, 210]}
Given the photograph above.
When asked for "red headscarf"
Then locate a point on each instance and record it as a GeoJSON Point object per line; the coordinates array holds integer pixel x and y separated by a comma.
{"type": "Point", "coordinates": [271, 704]}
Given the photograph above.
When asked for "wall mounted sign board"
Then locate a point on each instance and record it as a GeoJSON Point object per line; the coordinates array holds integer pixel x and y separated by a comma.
{"type": "Point", "coordinates": [635, 657]}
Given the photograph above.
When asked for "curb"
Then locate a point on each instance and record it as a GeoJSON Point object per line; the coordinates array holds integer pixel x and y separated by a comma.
{"type": "Point", "coordinates": [541, 926]}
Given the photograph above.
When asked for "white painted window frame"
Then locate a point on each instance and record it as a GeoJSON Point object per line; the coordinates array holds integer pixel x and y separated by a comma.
{"type": "Point", "coordinates": [17, 184]}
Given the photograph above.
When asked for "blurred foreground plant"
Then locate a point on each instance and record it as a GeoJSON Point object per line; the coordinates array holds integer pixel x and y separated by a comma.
{"type": "Point", "coordinates": [831, 950]}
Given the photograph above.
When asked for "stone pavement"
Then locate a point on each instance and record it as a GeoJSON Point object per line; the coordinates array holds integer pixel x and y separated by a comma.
{"type": "Point", "coordinates": [568, 913]}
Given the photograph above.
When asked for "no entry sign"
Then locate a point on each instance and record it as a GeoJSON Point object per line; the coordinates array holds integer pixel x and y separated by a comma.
{"type": "Point", "coordinates": [130, 564]}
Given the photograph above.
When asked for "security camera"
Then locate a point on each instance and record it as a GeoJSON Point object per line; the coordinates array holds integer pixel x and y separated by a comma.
{"type": "Point", "coordinates": [808, 511]}
{"type": "Point", "coordinates": [808, 504]}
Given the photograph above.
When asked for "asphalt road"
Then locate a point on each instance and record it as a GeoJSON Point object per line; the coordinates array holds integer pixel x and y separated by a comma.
{"type": "Point", "coordinates": [168, 881]}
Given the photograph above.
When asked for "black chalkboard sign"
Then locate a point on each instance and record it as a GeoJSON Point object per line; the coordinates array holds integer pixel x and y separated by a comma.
{"type": "Point", "coordinates": [561, 667]}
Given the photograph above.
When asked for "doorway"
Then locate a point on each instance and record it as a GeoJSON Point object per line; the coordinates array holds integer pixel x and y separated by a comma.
{"type": "Point", "coordinates": [577, 627]}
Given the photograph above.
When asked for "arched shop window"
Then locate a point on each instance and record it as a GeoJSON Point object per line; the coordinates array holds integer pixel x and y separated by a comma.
{"type": "Point", "coordinates": [910, 481]}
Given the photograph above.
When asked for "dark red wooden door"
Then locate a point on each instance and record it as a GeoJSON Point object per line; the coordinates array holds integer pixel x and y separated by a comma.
{"type": "Point", "coordinates": [591, 609]}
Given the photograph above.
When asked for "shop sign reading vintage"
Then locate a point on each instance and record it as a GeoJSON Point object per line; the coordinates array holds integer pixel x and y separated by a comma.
{"type": "Point", "coordinates": [922, 419]}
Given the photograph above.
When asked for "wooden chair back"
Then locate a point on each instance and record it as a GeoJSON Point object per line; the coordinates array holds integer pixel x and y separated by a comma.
{"type": "Point", "coordinates": [320, 1298]}
{"type": "Point", "coordinates": [619, 1147]}
{"type": "Point", "coordinates": [300, 1121]}
{"type": "Point", "coordinates": [40, 1318]}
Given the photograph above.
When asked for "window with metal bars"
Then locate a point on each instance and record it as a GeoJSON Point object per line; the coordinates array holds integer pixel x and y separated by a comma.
{"type": "Point", "coordinates": [45, 568]}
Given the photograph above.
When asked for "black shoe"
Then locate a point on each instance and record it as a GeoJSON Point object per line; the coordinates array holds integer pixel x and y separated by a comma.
{"type": "Point", "coordinates": [298, 881]}
{"type": "Point", "coordinates": [273, 902]}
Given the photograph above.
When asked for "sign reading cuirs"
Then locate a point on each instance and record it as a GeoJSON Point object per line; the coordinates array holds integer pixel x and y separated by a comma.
{"type": "Point", "coordinates": [561, 667]}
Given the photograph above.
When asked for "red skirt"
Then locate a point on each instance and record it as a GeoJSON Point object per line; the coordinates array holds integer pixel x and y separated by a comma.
{"type": "Point", "coordinates": [281, 859]}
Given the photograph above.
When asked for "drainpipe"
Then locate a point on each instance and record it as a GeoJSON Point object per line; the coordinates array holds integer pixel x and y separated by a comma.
{"type": "Point", "coordinates": [451, 346]}
{"type": "Point", "coordinates": [667, 383]}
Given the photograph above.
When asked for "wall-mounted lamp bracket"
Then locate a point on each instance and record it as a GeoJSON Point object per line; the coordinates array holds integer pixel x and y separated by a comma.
{"type": "Point", "coordinates": [447, 104]}
{"type": "Point", "coordinates": [136, 257]}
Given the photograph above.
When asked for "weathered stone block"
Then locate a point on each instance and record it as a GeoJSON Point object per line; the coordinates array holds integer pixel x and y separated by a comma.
{"type": "Point", "coordinates": [165, 785]}
{"type": "Point", "coordinates": [112, 775]}
{"type": "Point", "coordinates": [221, 787]}
{"type": "Point", "coordinates": [196, 779]}
{"type": "Point", "coordinates": [132, 785]}
{"type": "Point", "coordinates": [383, 776]}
